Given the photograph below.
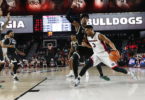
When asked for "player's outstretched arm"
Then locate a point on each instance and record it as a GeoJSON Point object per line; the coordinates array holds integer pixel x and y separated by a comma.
{"type": "Point", "coordinates": [69, 15]}
{"type": "Point", "coordinates": [5, 24]}
{"type": "Point", "coordinates": [107, 41]}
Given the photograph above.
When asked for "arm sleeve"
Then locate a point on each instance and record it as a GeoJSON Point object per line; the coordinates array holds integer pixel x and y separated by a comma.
{"type": "Point", "coordinates": [69, 15]}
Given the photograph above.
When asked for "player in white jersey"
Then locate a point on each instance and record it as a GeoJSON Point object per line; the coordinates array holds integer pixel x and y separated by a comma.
{"type": "Point", "coordinates": [4, 50]}
{"type": "Point", "coordinates": [97, 41]}
{"type": "Point", "coordinates": [2, 27]}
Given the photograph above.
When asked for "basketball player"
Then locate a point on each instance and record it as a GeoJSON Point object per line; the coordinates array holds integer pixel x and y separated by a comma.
{"type": "Point", "coordinates": [96, 40]}
{"type": "Point", "coordinates": [2, 27]}
{"type": "Point", "coordinates": [12, 52]}
{"type": "Point", "coordinates": [81, 50]}
{"type": "Point", "coordinates": [4, 50]}
{"type": "Point", "coordinates": [74, 44]}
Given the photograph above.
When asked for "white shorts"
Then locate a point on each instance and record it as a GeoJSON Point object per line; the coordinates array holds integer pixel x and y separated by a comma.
{"type": "Point", "coordinates": [5, 56]}
{"type": "Point", "coordinates": [104, 58]}
{"type": "Point", "coordinates": [4, 50]}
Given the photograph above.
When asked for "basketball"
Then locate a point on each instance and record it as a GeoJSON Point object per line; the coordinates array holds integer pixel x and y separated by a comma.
{"type": "Point", "coordinates": [114, 56]}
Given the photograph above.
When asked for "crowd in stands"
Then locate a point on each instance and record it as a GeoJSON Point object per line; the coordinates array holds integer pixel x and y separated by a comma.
{"type": "Point", "coordinates": [132, 53]}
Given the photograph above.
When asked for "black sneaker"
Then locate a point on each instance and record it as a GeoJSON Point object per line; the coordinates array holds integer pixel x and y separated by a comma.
{"type": "Point", "coordinates": [105, 78]}
{"type": "Point", "coordinates": [16, 78]}
{"type": "Point", "coordinates": [0, 86]}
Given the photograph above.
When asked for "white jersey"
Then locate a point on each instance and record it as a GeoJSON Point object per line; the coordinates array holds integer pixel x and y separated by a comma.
{"type": "Point", "coordinates": [97, 45]}
{"type": "Point", "coordinates": [100, 54]}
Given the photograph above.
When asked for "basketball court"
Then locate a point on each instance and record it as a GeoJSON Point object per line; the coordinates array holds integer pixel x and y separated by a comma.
{"type": "Point", "coordinates": [54, 85]}
{"type": "Point", "coordinates": [42, 44]}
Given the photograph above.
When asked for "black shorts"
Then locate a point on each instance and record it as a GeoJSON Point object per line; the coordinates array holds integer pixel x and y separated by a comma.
{"type": "Point", "coordinates": [85, 52]}
{"type": "Point", "coordinates": [13, 57]}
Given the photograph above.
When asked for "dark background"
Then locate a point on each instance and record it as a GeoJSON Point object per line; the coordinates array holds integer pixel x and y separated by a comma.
{"type": "Point", "coordinates": [60, 7]}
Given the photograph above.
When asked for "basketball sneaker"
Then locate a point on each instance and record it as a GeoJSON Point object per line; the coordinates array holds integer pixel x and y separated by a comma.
{"type": "Point", "coordinates": [16, 78]}
{"type": "Point", "coordinates": [77, 82]}
{"type": "Point", "coordinates": [105, 78]}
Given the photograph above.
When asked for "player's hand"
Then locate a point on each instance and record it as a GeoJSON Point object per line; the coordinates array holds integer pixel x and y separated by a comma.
{"type": "Point", "coordinates": [75, 4]}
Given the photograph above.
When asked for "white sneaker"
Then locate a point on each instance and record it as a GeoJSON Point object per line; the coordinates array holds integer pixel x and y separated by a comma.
{"type": "Point", "coordinates": [70, 75]}
{"type": "Point", "coordinates": [77, 82]}
{"type": "Point", "coordinates": [132, 75]}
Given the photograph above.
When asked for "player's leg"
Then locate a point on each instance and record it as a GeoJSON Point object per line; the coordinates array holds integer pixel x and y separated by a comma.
{"type": "Point", "coordinates": [88, 53]}
{"type": "Point", "coordinates": [75, 63]}
{"type": "Point", "coordinates": [89, 63]}
{"type": "Point", "coordinates": [71, 74]}
{"type": "Point", "coordinates": [16, 60]}
{"type": "Point", "coordinates": [107, 61]}
{"type": "Point", "coordinates": [99, 68]}
{"type": "Point", "coordinates": [15, 68]}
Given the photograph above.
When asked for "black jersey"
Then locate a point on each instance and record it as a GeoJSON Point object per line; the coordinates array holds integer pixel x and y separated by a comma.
{"type": "Point", "coordinates": [80, 35]}
{"type": "Point", "coordinates": [10, 41]}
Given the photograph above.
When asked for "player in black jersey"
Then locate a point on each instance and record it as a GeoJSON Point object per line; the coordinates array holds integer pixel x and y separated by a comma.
{"type": "Point", "coordinates": [81, 50]}
{"type": "Point", "coordinates": [74, 45]}
{"type": "Point", "coordinates": [12, 52]}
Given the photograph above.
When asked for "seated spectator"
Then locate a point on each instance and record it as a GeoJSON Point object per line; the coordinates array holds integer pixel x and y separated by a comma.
{"type": "Point", "coordinates": [132, 62]}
